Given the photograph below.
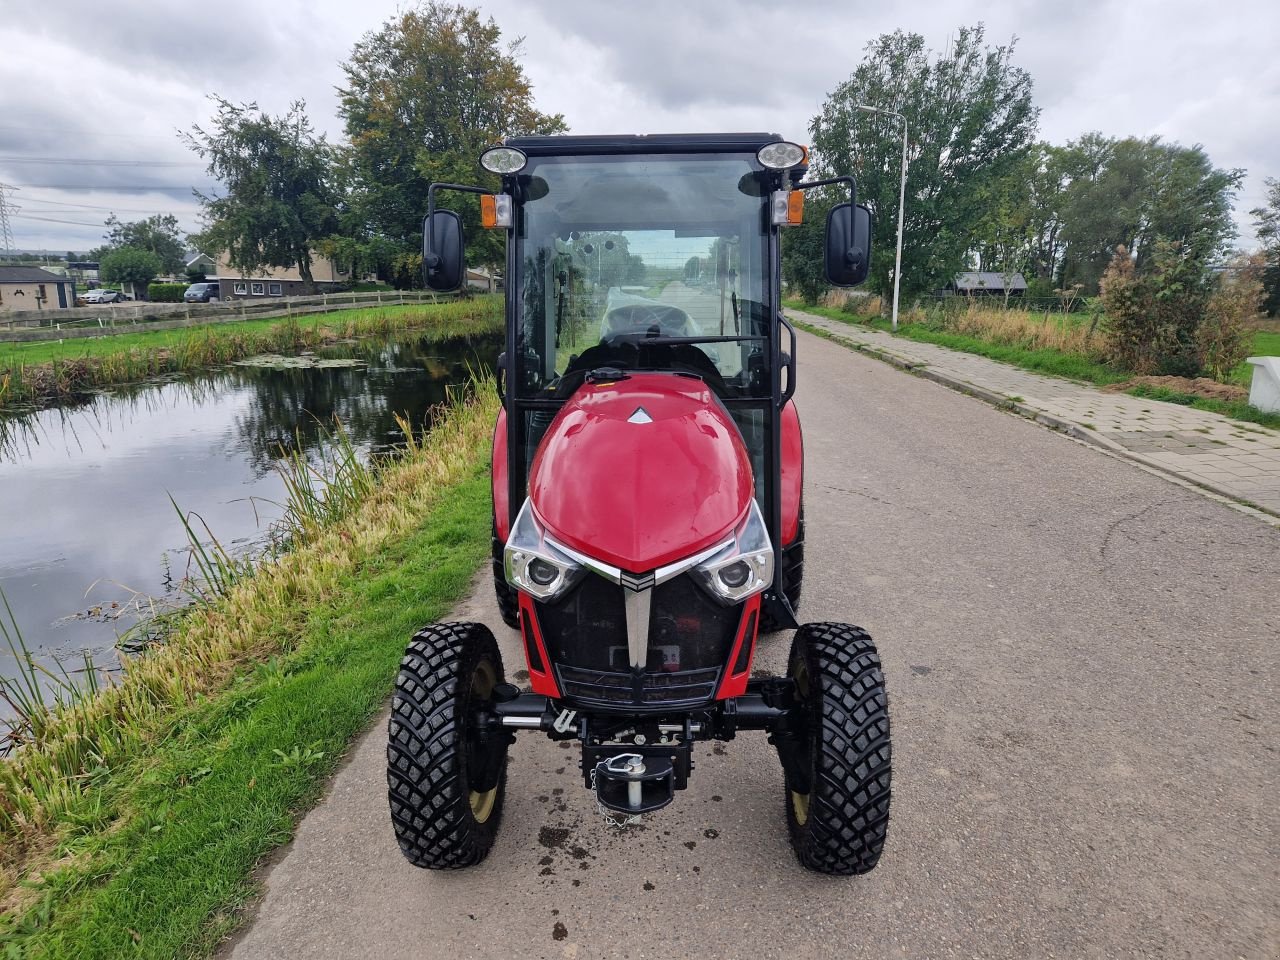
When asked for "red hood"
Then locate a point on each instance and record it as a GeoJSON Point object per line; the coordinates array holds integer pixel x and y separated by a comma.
{"type": "Point", "coordinates": [639, 495]}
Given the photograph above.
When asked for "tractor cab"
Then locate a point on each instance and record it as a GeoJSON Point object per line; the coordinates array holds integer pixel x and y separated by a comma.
{"type": "Point", "coordinates": [648, 518]}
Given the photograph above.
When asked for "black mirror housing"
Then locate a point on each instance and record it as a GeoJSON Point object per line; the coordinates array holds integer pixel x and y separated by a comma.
{"type": "Point", "coordinates": [442, 251]}
{"type": "Point", "coordinates": [848, 245]}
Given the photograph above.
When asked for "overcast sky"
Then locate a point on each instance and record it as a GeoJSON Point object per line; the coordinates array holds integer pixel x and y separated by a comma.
{"type": "Point", "coordinates": [111, 81]}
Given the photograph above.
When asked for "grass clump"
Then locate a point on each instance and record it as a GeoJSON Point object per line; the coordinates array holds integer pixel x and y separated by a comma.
{"type": "Point", "coordinates": [131, 822]}
{"type": "Point", "coordinates": [47, 371]}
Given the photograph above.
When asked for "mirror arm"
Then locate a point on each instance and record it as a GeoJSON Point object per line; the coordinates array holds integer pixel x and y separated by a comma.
{"type": "Point", "coordinates": [431, 259]}
{"type": "Point", "coordinates": [853, 187]}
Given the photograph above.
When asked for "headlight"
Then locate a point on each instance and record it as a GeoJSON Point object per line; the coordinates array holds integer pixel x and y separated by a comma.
{"type": "Point", "coordinates": [742, 568]}
{"type": "Point", "coordinates": [534, 565]}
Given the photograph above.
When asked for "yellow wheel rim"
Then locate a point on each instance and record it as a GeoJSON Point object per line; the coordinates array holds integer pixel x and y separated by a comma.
{"type": "Point", "coordinates": [800, 801]}
{"type": "Point", "coordinates": [483, 680]}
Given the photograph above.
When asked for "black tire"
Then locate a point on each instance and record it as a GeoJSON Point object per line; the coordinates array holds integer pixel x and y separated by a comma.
{"type": "Point", "coordinates": [791, 577]}
{"type": "Point", "coordinates": [838, 821]}
{"type": "Point", "coordinates": [508, 601]}
{"type": "Point", "coordinates": [446, 781]}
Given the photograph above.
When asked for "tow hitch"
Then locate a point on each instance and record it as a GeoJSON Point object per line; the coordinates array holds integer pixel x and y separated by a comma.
{"type": "Point", "coordinates": [632, 784]}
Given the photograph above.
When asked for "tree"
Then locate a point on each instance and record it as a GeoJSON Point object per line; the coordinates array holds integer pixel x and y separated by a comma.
{"type": "Point", "coordinates": [1135, 193]}
{"type": "Point", "coordinates": [159, 234]}
{"type": "Point", "coordinates": [1266, 219]}
{"type": "Point", "coordinates": [970, 120]}
{"type": "Point", "coordinates": [130, 265]}
{"type": "Point", "coordinates": [281, 194]}
{"type": "Point", "coordinates": [425, 95]}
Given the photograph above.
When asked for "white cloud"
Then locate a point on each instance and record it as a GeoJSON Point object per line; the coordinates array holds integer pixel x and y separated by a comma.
{"type": "Point", "coordinates": [121, 89]}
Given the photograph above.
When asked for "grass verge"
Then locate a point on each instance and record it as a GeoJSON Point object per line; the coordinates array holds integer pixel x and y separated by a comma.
{"type": "Point", "coordinates": [1072, 366]}
{"type": "Point", "coordinates": [49, 370]}
{"type": "Point", "coordinates": [132, 827]}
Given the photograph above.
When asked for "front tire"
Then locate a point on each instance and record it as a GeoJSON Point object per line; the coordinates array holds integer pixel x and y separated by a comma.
{"type": "Point", "coordinates": [838, 808]}
{"type": "Point", "coordinates": [446, 777]}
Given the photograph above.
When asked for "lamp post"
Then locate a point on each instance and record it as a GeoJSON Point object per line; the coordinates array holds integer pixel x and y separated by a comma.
{"type": "Point", "coordinates": [902, 199]}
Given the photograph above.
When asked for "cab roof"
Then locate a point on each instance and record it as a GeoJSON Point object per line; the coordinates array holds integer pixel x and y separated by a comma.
{"type": "Point", "coordinates": [562, 146]}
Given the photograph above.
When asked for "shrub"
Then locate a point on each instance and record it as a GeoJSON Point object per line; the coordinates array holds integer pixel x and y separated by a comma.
{"type": "Point", "coordinates": [1153, 317]}
{"type": "Point", "coordinates": [166, 292]}
{"type": "Point", "coordinates": [1225, 335]}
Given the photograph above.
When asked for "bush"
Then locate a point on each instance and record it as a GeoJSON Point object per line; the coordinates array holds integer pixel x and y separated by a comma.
{"type": "Point", "coordinates": [1153, 316]}
{"type": "Point", "coordinates": [166, 292]}
{"type": "Point", "coordinates": [1225, 335]}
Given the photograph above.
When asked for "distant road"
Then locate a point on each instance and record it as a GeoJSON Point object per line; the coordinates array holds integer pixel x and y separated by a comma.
{"type": "Point", "coordinates": [1081, 660]}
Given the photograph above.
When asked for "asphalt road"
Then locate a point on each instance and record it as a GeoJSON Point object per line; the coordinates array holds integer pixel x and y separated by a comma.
{"type": "Point", "coordinates": [1081, 660]}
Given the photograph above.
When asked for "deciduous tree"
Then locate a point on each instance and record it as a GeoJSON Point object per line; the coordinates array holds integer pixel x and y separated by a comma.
{"type": "Point", "coordinates": [160, 234]}
{"type": "Point", "coordinates": [281, 195]}
{"type": "Point", "coordinates": [1266, 219]}
{"type": "Point", "coordinates": [423, 97]}
{"type": "Point", "coordinates": [970, 120]}
{"type": "Point", "coordinates": [130, 265]}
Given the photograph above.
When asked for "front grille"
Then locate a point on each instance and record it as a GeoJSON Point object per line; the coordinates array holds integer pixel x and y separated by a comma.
{"type": "Point", "coordinates": [612, 688]}
{"type": "Point", "coordinates": [690, 637]}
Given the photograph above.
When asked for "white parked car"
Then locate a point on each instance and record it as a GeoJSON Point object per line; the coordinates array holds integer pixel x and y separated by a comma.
{"type": "Point", "coordinates": [102, 295]}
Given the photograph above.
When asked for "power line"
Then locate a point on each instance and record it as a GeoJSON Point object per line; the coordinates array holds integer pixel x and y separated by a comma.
{"type": "Point", "coordinates": [76, 223]}
{"type": "Point", "coordinates": [100, 188]}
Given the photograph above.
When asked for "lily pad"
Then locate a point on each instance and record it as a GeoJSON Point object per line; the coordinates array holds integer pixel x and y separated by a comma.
{"type": "Point", "coordinates": [274, 361]}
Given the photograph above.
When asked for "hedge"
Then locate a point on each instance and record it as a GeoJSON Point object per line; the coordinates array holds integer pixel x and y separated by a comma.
{"type": "Point", "coordinates": [166, 292]}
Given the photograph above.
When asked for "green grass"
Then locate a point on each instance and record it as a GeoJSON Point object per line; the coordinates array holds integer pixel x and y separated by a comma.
{"type": "Point", "coordinates": [153, 850]}
{"type": "Point", "coordinates": [235, 773]}
{"type": "Point", "coordinates": [1052, 362]}
{"type": "Point", "coordinates": [1071, 366]}
{"type": "Point", "coordinates": [1266, 343]}
{"type": "Point", "coordinates": [46, 370]}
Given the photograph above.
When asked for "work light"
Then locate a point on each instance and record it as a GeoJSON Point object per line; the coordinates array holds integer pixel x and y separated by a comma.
{"type": "Point", "coordinates": [780, 155]}
{"type": "Point", "coordinates": [503, 160]}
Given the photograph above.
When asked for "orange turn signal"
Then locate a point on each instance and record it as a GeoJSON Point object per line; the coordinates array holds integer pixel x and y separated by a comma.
{"type": "Point", "coordinates": [795, 208]}
{"type": "Point", "coordinates": [488, 211]}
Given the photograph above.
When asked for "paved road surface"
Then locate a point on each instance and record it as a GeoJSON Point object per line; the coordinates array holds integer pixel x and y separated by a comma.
{"type": "Point", "coordinates": [1081, 660]}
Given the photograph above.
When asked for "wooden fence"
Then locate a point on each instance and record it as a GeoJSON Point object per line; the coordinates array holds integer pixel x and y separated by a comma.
{"type": "Point", "coordinates": [108, 319]}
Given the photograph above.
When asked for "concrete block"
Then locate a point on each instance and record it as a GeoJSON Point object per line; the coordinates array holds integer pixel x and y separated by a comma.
{"type": "Point", "coordinates": [1264, 392]}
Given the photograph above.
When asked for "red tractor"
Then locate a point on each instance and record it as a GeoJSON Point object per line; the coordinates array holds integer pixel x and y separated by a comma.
{"type": "Point", "coordinates": [648, 516]}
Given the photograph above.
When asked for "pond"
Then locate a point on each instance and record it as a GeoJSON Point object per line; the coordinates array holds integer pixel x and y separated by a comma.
{"type": "Point", "coordinates": [87, 529]}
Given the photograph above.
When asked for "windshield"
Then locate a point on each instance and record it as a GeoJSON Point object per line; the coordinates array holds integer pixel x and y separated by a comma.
{"type": "Point", "coordinates": [621, 256]}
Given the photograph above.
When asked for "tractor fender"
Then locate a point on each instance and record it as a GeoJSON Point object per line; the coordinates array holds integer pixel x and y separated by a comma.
{"type": "Point", "coordinates": [792, 478]}
{"type": "Point", "coordinates": [498, 475]}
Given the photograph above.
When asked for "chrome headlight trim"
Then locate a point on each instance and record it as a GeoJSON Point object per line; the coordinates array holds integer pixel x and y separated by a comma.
{"type": "Point", "coordinates": [528, 545]}
{"type": "Point", "coordinates": [744, 566]}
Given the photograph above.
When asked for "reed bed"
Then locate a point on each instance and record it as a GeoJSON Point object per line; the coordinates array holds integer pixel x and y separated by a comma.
{"type": "Point", "coordinates": [23, 382]}
{"type": "Point", "coordinates": [334, 521]}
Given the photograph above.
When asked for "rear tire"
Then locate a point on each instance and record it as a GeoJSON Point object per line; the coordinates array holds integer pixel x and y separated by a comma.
{"type": "Point", "coordinates": [839, 819]}
{"type": "Point", "coordinates": [446, 778]}
{"type": "Point", "coordinates": [791, 577]}
{"type": "Point", "coordinates": [508, 600]}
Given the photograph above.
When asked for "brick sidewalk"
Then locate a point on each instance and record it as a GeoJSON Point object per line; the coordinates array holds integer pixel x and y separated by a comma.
{"type": "Point", "coordinates": [1230, 458]}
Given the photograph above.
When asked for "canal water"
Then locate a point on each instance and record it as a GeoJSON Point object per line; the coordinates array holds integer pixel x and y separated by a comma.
{"type": "Point", "coordinates": [87, 528]}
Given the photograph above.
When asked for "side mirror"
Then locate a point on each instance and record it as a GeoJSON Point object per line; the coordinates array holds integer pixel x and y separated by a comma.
{"type": "Point", "coordinates": [848, 245]}
{"type": "Point", "coordinates": [442, 255]}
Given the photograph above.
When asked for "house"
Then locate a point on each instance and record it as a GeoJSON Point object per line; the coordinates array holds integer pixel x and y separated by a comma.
{"type": "Point", "coordinates": [194, 260]}
{"type": "Point", "coordinates": [33, 288]}
{"type": "Point", "coordinates": [478, 278]}
{"type": "Point", "coordinates": [986, 283]}
{"type": "Point", "coordinates": [277, 281]}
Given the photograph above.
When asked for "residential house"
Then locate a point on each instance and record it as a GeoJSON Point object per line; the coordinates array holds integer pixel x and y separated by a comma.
{"type": "Point", "coordinates": [986, 283]}
{"type": "Point", "coordinates": [33, 288]}
{"type": "Point", "coordinates": [277, 281]}
{"type": "Point", "coordinates": [195, 260]}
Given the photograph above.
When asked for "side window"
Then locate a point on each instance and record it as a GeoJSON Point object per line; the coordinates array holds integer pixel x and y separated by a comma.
{"type": "Point", "coordinates": [259, 289]}
{"type": "Point", "coordinates": [274, 289]}
{"type": "Point", "coordinates": [241, 289]}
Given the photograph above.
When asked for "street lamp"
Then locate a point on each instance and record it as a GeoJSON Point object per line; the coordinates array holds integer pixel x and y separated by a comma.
{"type": "Point", "coordinates": [902, 199]}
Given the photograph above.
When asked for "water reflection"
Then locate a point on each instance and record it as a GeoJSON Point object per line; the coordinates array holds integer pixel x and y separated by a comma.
{"type": "Point", "coordinates": [85, 517]}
